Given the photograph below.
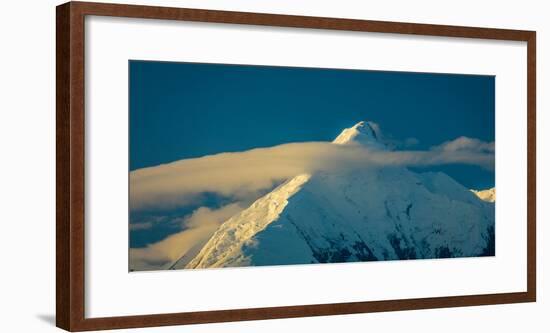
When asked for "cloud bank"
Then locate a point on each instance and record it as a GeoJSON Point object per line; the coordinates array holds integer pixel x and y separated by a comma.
{"type": "Point", "coordinates": [198, 228]}
{"type": "Point", "coordinates": [242, 175]}
{"type": "Point", "coordinates": [465, 144]}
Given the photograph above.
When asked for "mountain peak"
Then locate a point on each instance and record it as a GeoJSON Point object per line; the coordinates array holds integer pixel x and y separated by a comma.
{"type": "Point", "coordinates": [364, 133]}
{"type": "Point", "coordinates": [374, 214]}
{"type": "Point", "coordinates": [366, 127]}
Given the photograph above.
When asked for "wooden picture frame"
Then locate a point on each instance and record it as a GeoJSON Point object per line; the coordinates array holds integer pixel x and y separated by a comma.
{"type": "Point", "coordinates": [70, 195]}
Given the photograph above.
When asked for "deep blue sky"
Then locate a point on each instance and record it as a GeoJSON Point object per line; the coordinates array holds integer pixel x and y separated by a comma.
{"type": "Point", "coordinates": [183, 110]}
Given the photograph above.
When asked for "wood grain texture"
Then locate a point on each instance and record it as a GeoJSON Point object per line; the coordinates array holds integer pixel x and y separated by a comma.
{"type": "Point", "coordinates": [62, 231]}
{"type": "Point", "coordinates": [532, 166]}
{"type": "Point", "coordinates": [70, 198]}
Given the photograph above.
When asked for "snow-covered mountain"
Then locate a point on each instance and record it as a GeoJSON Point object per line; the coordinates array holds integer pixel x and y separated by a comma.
{"type": "Point", "coordinates": [488, 195]}
{"type": "Point", "coordinates": [375, 213]}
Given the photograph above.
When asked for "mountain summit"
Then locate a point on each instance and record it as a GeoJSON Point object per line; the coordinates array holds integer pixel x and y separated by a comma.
{"type": "Point", "coordinates": [363, 133]}
{"type": "Point", "coordinates": [354, 215]}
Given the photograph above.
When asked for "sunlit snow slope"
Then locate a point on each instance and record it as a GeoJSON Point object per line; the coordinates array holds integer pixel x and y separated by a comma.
{"type": "Point", "coordinates": [355, 215]}
{"type": "Point", "coordinates": [488, 195]}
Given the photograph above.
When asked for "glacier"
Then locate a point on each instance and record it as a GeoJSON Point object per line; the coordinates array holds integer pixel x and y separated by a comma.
{"type": "Point", "coordinates": [361, 214]}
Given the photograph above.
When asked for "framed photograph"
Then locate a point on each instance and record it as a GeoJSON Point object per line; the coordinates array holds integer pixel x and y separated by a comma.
{"type": "Point", "coordinates": [223, 166]}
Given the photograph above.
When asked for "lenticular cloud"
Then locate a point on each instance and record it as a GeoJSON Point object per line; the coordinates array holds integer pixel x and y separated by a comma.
{"type": "Point", "coordinates": [241, 175]}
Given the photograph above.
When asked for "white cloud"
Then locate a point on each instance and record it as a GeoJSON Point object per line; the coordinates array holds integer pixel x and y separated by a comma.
{"type": "Point", "coordinates": [243, 175]}
{"type": "Point", "coordinates": [238, 175]}
{"type": "Point", "coordinates": [199, 227]}
{"type": "Point", "coordinates": [465, 144]}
